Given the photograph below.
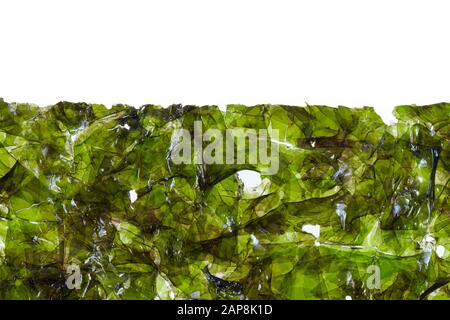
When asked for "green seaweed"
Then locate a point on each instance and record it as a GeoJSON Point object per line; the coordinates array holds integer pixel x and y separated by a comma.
{"type": "Point", "coordinates": [91, 186]}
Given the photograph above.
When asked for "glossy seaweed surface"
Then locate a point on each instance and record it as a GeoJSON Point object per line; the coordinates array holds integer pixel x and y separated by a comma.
{"type": "Point", "coordinates": [353, 199]}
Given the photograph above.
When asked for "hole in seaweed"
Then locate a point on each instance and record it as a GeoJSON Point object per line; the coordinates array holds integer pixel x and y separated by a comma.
{"type": "Point", "coordinates": [250, 179]}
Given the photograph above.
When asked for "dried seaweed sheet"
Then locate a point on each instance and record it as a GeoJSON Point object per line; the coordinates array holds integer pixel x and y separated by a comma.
{"type": "Point", "coordinates": [91, 187]}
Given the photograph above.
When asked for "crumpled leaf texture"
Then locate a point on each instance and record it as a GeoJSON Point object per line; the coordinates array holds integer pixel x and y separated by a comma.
{"type": "Point", "coordinates": [380, 194]}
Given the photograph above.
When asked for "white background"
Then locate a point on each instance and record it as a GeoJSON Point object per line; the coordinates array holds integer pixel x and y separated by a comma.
{"type": "Point", "coordinates": [338, 52]}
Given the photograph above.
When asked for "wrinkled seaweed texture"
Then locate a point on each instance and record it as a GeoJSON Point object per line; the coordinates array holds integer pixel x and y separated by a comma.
{"type": "Point", "coordinates": [94, 186]}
